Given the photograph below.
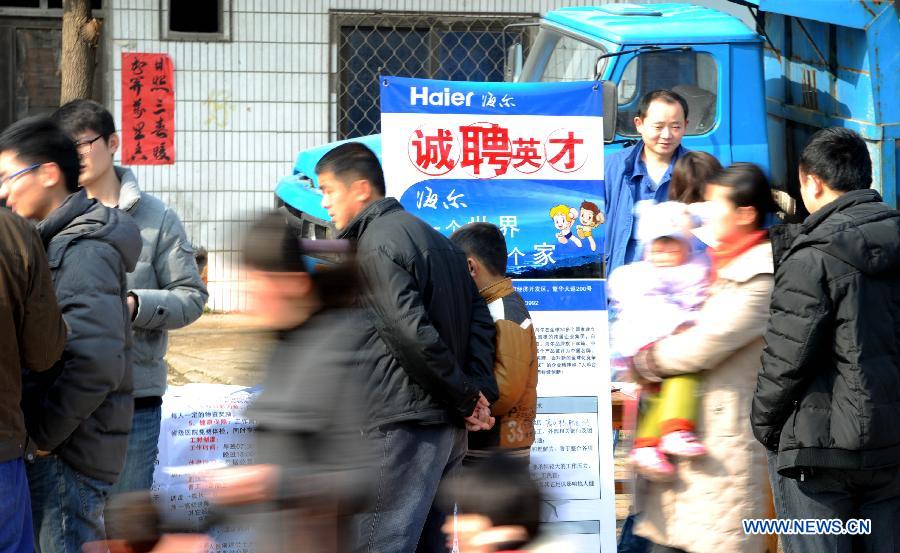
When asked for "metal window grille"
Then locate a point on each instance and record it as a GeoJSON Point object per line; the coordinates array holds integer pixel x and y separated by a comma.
{"type": "Point", "coordinates": [459, 47]}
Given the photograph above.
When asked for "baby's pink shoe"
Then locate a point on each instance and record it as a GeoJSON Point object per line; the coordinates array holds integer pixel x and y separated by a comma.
{"type": "Point", "coordinates": [682, 443]}
{"type": "Point", "coordinates": [652, 464]}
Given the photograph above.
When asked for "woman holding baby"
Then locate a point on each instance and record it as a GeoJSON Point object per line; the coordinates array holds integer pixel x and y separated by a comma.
{"type": "Point", "coordinates": [700, 508]}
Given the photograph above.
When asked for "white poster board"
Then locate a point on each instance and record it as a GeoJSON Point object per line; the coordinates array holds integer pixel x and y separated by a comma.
{"type": "Point", "coordinates": [527, 157]}
{"type": "Point", "coordinates": [202, 426]}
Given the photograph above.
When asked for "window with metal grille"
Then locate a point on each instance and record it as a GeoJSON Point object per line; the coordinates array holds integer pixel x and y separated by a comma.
{"type": "Point", "coordinates": [435, 46]}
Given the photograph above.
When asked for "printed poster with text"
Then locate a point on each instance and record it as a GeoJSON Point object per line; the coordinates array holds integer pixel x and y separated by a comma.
{"type": "Point", "coordinates": [528, 158]}
{"type": "Point", "coordinates": [203, 427]}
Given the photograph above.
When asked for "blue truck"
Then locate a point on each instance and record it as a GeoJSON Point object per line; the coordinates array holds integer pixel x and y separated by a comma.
{"type": "Point", "coordinates": [754, 94]}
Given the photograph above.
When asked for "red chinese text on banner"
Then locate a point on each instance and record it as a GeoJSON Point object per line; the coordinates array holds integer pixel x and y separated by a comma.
{"type": "Point", "coordinates": [148, 109]}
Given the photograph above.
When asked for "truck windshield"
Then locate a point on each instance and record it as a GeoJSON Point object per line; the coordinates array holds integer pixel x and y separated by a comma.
{"type": "Point", "coordinates": [556, 57]}
{"type": "Point", "coordinates": [691, 74]}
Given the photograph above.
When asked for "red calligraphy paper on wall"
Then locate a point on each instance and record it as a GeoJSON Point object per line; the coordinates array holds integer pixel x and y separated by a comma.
{"type": "Point", "coordinates": [148, 109]}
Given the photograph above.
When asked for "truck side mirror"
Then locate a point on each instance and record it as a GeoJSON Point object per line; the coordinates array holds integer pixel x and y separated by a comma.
{"type": "Point", "coordinates": [513, 66]}
{"type": "Point", "coordinates": [610, 109]}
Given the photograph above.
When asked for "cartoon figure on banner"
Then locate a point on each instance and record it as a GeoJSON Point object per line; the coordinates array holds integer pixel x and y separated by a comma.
{"type": "Point", "coordinates": [563, 218]}
{"type": "Point", "coordinates": [590, 218]}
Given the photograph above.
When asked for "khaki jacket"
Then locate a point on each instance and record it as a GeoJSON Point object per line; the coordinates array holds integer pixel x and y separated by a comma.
{"type": "Point", "coordinates": [516, 371]}
{"type": "Point", "coordinates": [701, 511]}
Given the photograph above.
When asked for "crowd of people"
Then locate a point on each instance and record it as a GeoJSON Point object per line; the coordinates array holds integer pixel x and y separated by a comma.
{"type": "Point", "coordinates": [398, 407]}
{"type": "Point", "coordinates": [90, 290]}
{"type": "Point", "coordinates": [383, 365]}
{"type": "Point", "coordinates": [768, 353]}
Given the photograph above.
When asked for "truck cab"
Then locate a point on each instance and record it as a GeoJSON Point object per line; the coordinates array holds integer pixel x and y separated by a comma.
{"type": "Point", "coordinates": [710, 58]}
{"type": "Point", "coordinates": [817, 63]}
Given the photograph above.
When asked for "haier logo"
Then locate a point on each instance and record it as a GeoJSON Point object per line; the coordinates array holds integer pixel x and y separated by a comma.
{"type": "Point", "coordinates": [445, 98]}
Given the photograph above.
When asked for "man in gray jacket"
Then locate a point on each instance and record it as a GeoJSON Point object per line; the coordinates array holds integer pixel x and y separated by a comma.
{"type": "Point", "coordinates": [164, 290]}
{"type": "Point", "coordinates": [77, 414]}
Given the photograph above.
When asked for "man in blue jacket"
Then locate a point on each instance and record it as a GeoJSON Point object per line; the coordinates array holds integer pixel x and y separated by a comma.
{"type": "Point", "coordinates": [642, 172]}
{"type": "Point", "coordinates": [165, 291]}
{"type": "Point", "coordinates": [77, 414]}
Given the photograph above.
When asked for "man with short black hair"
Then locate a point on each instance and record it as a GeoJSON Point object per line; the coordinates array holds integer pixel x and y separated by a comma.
{"type": "Point", "coordinates": [642, 172]}
{"type": "Point", "coordinates": [430, 349]}
{"type": "Point", "coordinates": [78, 414]}
{"type": "Point", "coordinates": [827, 401]}
{"type": "Point", "coordinates": [165, 290]}
{"type": "Point", "coordinates": [499, 506]}
{"type": "Point", "coordinates": [515, 358]}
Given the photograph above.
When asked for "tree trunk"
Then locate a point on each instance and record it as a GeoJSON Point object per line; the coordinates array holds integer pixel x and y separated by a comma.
{"type": "Point", "coordinates": [80, 35]}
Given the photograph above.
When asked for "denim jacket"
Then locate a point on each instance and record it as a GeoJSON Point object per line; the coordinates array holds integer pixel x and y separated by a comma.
{"type": "Point", "coordinates": [625, 177]}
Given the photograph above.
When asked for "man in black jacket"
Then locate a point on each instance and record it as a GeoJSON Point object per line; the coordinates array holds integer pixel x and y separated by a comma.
{"type": "Point", "coordinates": [78, 414]}
{"type": "Point", "coordinates": [827, 403]}
{"type": "Point", "coordinates": [430, 349]}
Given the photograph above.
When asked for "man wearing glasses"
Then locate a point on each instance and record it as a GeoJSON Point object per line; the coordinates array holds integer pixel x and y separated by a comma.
{"type": "Point", "coordinates": [164, 290]}
{"type": "Point", "coordinates": [78, 413]}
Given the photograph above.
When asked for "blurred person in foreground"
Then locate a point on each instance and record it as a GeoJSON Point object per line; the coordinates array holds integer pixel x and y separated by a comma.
{"type": "Point", "coordinates": [32, 336]}
{"type": "Point", "coordinates": [653, 298]}
{"type": "Point", "coordinates": [701, 509]}
{"type": "Point", "coordinates": [429, 344]}
{"type": "Point", "coordinates": [827, 402]}
{"type": "Point", "coordinates": [164, 289]}
{"type": "Point", "coordinates": [499, 509]}
{"type": "Point", "coordinates": [314, 469]}
{"type": "Point", "coordinates": [134, 524]}
{"type": "Point", "coordinates": [515, 360]}
{"type": "Point", "coordinates": [78, 414]}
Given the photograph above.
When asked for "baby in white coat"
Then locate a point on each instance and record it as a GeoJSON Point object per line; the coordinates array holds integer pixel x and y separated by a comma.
{"type": "Point", "coordinates": [653, 299]}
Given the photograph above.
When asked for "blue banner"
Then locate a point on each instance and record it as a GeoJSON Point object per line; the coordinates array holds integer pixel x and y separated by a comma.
{"type": "Point", "coordinates": [526, 157]}
{"type": "Point", "coordinates": [406, 95]}
{"type": "Point", "coordinates": [562, 295]}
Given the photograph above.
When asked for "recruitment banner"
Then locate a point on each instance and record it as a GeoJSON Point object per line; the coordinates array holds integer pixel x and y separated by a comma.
{"type": "Point", "coordinates": [148, 109]}
{"type": "Point", "coordinates": [528, 158]}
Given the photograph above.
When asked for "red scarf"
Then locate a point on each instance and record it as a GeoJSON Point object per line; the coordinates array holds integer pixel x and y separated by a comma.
{"type": "Point", "coordinates": [724, 253]}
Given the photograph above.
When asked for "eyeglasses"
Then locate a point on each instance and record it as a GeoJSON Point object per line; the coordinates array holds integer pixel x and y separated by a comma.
{"type": "Point", "coordinates": [85, 146]}
{"type": "Point", "coordinates": [19, 173]}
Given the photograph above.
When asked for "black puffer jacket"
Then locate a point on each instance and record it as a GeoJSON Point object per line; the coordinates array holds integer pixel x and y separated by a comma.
{"type": "Point", "coordinates": [828, 394]}
{"type": "Point", "coordinates": [430, 343]}
{"type": "Point", "coordinates": [81, 409]}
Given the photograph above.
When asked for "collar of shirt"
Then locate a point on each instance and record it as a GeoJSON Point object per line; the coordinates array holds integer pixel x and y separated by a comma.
{"type": "Point", "coordinates": [641, 177]}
